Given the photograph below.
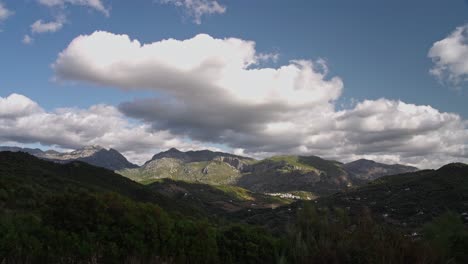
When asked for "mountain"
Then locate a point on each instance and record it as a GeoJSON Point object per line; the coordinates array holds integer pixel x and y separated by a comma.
{"type": "Point", "coordinates": [411, 199]}
{"type": "Point", "coordinates": [18, 149]}
{"type": "Point", "coordinates": [95, 155]}
{"type": "Point", "coordinates": [283, 176]}
{"type": "Point", "coordinates": [196, 166]}
{"type": "Point", "coordinates": [295, 173]}
{"type": "Point", "coordinates": [235, 161]}
{"type": "Point", "coordinates": [370, 170]}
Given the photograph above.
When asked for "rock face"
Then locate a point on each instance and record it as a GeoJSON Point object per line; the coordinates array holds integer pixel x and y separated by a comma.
{"type": "Point", "coordinates": [368, 170]}
{"type": "Point", "coordinates": [238, 163]}
{"type": "Point", "coordinates": [95, 155]}
{"type": "Point", "coordinates": [202, 166]}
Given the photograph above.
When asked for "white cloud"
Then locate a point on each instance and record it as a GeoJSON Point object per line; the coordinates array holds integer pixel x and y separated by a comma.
{"type": "Point", "coordinates": [17, 105]}
{"type": "Point", "coordinates": [40, 26]}
{"type": "Point", "coordinates": [94, 4]}
{"type": "Point", "coordinates": [394, 130]}
{"type": "Point", "coordinates": [450, 57]}
{"type": "Point", "coordinates": [47, 27]}
{"type": "Point", "coordinates": [24, 121]}
{"type": "Point", "coordinates": [213, 90]}
{"type": "Point", "coordinates": [4, 12]}
{"type": "Point", "coordinates": [196, 9]}
{"type": "Point", "coordinates": [27, 40]}
{"type": "Point", "coordinates": [213, 65]}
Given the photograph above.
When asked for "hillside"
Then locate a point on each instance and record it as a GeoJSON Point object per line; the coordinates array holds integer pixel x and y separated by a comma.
{"type": "Point", "coordinates": [411, 199]}
{"type": "Point", "coordinates": [38, 177]}
{"type": "Point", "coordinates": [295, 173]}
{"type": "Point", "coordinates": [215, 199]}
{"type": "Point", "coordinates": [78, 213]}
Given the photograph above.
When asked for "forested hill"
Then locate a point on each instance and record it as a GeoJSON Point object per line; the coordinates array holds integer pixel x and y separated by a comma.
{"type": "Point", "coordinates": [78, 213]}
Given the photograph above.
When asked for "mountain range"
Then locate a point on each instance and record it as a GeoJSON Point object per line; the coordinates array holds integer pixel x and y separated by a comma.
{"type": "Point", "coordinates": [276, 175]}
{"type": "Point", "coordinates": [288, 175]}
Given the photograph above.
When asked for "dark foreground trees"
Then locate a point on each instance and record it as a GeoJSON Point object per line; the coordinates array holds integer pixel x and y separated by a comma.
{"type": "Point", "coordinates": [109, 228]}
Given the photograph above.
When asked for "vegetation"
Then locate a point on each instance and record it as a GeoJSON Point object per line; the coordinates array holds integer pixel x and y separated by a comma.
{"type": "Point", "coordinates": [221, 200]}
{"type": "Point", "coordinates": [108, 228]}
{"type": "Point", "coordinates": [294, 161]}
{"type": "Point", "coordinates": [286, 174]}
{"type": "Point", "coordinates": [77, 213]}
{"type": "Point", "coordinates": [412, 199]}
{"type": "Point", "coordinates": [51, 213]}
{"type": "Point", "coordinates": [333, 237]}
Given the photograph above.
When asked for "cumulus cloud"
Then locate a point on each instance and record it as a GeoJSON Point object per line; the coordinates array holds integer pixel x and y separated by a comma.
{"type": "Point", "coordinates": [450, 57]}
{"type": "Point", "coordinates": [94, 4]}
{"type": "Point", "coordinates": [4, 12]}
{"type": "Point", "coordinates": [196, 9]}
{"type": "Point", "coordinates": [17, 105]}
{"type": "Point", "coordinates": [24, 121]}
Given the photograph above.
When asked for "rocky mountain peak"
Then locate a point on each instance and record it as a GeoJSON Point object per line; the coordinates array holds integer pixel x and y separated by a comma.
{"type": "Point", "coordinates": [173, 150]}
{"type": "Point", "coordinates": [92, 147]}
{"type": "Point", "coordinates": [171, 153]}
{"type": "Point", "coordinates": [83, 152]}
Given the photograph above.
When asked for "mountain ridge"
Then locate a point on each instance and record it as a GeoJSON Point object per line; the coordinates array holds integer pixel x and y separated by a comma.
{"type": "Point", "coordinates": [364, 169]}
{"type": "Point", "coordinates": [95, 155]}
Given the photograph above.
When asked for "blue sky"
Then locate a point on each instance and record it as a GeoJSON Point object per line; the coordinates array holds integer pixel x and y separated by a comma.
{"type": "Point", "coordinates": [378, 49]}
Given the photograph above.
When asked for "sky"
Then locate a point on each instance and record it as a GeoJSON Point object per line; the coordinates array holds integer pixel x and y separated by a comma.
{"type": "Point", "coordinates": [376, 79]}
